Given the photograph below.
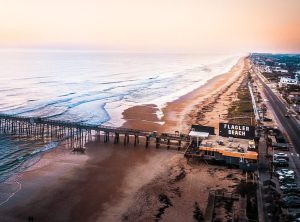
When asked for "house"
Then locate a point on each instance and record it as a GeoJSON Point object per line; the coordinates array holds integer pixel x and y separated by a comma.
{"type": "Point", "coordinates": [284, 81]}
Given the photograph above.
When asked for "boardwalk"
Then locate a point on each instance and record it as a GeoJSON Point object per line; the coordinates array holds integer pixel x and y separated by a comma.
{"type": "Point", "coordinates": [77, 134]}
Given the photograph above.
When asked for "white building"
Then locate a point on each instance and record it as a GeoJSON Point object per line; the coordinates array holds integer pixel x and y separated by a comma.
{"type": "Point", "coordinates": [268, 69]}
{"type": "Point", "coordinates": [279, 69]}
{"type": "Point", "coordinates": [284, 81]}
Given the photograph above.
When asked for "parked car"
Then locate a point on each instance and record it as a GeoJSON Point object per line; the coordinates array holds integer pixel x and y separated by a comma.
{"type": "Point", "coordinates": [291, 202]}
{"type": "Point", "coordinates": [284, 171]}
{"type": "Point", "coordinates": [286, 180]}
{"type": "Point", "coordinates": [295, 216]}
{"type": "Point", "coordinates": [267, 119]}
{"type": "Point", "coordinates": [290, 187]}
{"type": "Point", "coordinates": [280, 162]}
{"type": "Point", "coordinates": [281, 155]}
{"type": "Point", "coordinates": [291, 194]}
{"type": "Point", "coordinates": [284, 177]}
{"type": "Point", "coordinates": [290, 198]}
{"type": "Point", "coordinates": [283, 158]}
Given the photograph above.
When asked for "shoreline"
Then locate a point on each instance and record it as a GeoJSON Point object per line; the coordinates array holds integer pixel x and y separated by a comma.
{"type": "Point", "coordinates": [124, 175]}
{"type": "Point", "coordinates": [176, 113]}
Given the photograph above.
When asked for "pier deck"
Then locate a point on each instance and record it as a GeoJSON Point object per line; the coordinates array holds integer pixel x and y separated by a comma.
{"type": "Point", "coordinates": [78, 133]}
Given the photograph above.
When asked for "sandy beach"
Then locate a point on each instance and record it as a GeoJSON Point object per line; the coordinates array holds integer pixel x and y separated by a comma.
{"type": "Point", "coordinates": [181, 113]}
{"type": "Point", "coordinates": [116, 183]}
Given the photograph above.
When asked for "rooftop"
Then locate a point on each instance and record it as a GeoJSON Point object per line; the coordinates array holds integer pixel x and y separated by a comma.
{"type": "Point", "coordinates": [234, 147]}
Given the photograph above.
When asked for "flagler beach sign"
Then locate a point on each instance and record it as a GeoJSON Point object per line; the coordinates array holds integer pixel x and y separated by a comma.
{"type": "Point", "coordinates": [237, 131]}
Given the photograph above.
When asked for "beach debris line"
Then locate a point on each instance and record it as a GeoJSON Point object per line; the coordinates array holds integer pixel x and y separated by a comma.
{"type": "Point", "coordinates": [165, 200]}
{"type": "Point", "coordinates": [198, 215]}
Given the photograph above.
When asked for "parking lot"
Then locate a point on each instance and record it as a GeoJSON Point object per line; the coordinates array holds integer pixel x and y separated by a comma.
{"type": "Point", "coordinates": [281, 191]}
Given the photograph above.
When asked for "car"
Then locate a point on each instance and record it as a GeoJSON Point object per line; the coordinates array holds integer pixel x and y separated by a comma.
{"type": "Point", "coordinates": [291, 198]}
{"type": "Point", "coordinates": [283, 155]}
{"type": "Point", "coordinates": [291, 194]}
{"type": "Point", "coordinates": [292, 203]}
{"type": "Point", "coordinates": [289, 185]}
{"type": "Point", "coordinates": [267, 119]}
{"type": "Point", "coordinates": [289, 188]}
{"type": "Point", "coordinates": [284, 171]}
{"type": "Point", "coordinates": [295, 216]}
{"type": "Point", "coordinates": [283, 158]}
{"type": "Point", "coordinates": [285, 177]}
{"type": "Point", "coordinates": [280, 162]}
{"type": "Point", "coordinates": [286, 180]}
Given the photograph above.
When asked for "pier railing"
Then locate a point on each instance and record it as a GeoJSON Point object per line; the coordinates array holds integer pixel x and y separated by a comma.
{"type": "Point", "coordinates": [83, 132]}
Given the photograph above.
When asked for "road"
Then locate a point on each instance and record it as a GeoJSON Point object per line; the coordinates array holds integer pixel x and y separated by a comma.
{"type": "Point", "coordinates": [290, 124]}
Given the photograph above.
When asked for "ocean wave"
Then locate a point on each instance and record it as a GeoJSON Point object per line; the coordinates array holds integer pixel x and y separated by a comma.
{"type": "Point", "coordinates": [95, 90]}
{"type": "Point", "coordinates": [22, 157]}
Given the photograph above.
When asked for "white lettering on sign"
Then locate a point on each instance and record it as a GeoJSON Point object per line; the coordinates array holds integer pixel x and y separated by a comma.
{"type": "Point", "coordinates": [236, 127]}
{"type": "Point", "coordinates": [236, 132]}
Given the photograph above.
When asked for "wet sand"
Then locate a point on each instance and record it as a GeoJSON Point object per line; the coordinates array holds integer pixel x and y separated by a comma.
{"type": "Point", "coordinates": [76, 187]}
{"type": "Point", "coordinates": [181, 113]}
{"type": "Point", "coordinates": [117, 183]}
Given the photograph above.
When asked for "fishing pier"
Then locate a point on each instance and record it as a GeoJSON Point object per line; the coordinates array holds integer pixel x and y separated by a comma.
{"type": "Point", "coordinates": [76, 134]}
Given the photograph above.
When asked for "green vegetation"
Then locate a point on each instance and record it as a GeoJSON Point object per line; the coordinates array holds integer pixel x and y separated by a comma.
{"type": "Point", "coordinates": [242, 107]}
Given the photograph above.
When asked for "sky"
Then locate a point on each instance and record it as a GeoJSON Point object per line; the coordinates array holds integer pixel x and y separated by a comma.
{"type": "Point", "coordinates": [152, 25]}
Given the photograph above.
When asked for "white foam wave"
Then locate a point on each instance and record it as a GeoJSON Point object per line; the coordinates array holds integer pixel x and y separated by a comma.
{"type": "Point", "coordinates": [63, 85]}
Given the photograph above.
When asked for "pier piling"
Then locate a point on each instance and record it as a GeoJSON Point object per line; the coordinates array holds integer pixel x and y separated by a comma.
{"type": "Point", "coordinates": [77, 134]}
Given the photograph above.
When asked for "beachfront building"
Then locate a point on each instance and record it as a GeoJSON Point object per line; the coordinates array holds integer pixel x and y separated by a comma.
{"type": "Point", "coordinates": [199, 133]}
{"type": "Point", "coordinates": [230, 151]}
{"type": "Point", "coordinates": [238, 152]}
{"type": "Point", "coordinates": [280, 70]}
{"type": "Point", "coordinates": [268, 69]}
{"type": "Point", "coordinates": [286, 81]}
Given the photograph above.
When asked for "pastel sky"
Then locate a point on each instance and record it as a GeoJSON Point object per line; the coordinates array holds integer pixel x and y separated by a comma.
{"type": "Point", "coordinates": [152, 25]}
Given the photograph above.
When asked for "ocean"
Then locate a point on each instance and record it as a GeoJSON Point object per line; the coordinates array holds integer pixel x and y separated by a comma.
{"type": "Point", "coordinates": [93, 87]}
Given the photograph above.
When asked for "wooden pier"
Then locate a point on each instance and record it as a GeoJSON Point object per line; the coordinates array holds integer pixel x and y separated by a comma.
{"type": "Point", "coordinates": [76, 134]}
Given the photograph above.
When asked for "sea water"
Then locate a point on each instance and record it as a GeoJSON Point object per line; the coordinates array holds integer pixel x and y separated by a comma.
{"type": "Point", "coordinates": [92, 87]}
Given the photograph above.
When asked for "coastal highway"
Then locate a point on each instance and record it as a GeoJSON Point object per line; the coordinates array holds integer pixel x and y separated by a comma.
{"type": "Point", "coordinates": [289, 124]}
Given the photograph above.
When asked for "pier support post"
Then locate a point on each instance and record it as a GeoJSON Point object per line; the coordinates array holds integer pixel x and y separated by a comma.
{"type": "Point", "coordinates": [106, 137]}
{"type": "Point", "coordinates": [179, 145]}
{"type": "Point", "coordinates": [147, 141]}
{"type": "Point", "coordinates": [125, 139]}
{"type": "Point", "coordinates": [116, 141]}
{"type": "Point", "coordinates": [135, 139]}
{"type": "Point", "coordinates": [97, 135]}
{"type": "Point", "coordinates": [168, 147]}
{"type": "Point", "coordinates": [157, 142]}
